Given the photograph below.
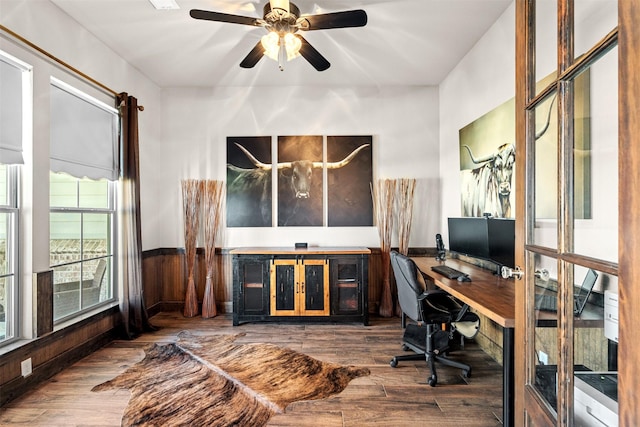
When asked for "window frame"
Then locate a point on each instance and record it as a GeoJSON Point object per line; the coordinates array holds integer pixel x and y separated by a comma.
{"type": "Point", "coordinates": [82, 209]}
{"type": "Point", "coordinates": [111, 256]}
{"type": "Point", "coordinates": [12, 310]}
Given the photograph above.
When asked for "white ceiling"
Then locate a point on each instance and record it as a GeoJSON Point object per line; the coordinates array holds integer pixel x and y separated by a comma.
{"type": "Point", "coordinates": [405, 42]}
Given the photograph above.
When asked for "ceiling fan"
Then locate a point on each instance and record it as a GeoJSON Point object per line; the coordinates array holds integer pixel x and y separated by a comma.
{"type": "Point", "coordinates": [282, 20]}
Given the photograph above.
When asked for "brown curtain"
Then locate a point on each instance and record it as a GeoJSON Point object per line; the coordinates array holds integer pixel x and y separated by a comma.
{"type": "Point", "coordinates": [134, 313]}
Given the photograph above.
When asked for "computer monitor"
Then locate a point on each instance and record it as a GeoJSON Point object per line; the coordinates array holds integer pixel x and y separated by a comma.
{"type": "Point", "coordinates": [491, 239]}
{"type": "Point", "coordinates": [468, 236]}
{"type": "Point", "coordinates": [502, 240]}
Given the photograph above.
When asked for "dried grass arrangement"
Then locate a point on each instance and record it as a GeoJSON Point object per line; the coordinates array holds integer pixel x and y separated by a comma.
{"type": "Point", "coordinates": [191, 195]}
{"type": "Point", "coordinates": [213, 192]}
{"type": "Point", "coordinates": [383, 200]}
{"type": "Point", "coordinates": [404, 200]}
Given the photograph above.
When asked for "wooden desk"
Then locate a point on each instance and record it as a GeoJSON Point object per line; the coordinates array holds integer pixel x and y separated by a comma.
{"type": "Point", "coordinates": [495, 298]}
{"type": "Point", "coordinates": [487, 293]}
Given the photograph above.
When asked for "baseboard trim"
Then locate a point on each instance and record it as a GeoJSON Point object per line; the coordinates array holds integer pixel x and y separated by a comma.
{"type": "Point", "coordinates": [20, 385]}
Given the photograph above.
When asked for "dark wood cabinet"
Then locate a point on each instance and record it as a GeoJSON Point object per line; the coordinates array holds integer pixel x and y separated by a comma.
{"type": "Point", "coordinates": [314, 284]}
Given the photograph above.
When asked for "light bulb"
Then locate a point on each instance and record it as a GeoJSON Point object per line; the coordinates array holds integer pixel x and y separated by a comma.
{"type": "Point", "coordinates": [293, 45]}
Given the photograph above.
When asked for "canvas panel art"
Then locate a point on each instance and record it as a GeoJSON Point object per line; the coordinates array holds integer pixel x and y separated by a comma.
{"type": "Point", "coordinates": [249, 192]}
{"type": "Point", "coordinates": [299, 196]}
{"type": "Point", "coordinates": [300, 181]}
{"type": "Point", "coordinates": [487, 159]}
{"type": "Point", "coordinates": [349, 176]}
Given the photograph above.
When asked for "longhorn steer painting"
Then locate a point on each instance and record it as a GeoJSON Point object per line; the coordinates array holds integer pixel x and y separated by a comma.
{"type": "Point", "coordinates": [349, 181]}
{"type": "Point", "coordinates": [300, 181]}
{"type": "Point", "coordinates": [249, 199]}
{"type": "Point", "coordinates": [487, 159]}
{"type": "Point", "coordinates": [299, 171]}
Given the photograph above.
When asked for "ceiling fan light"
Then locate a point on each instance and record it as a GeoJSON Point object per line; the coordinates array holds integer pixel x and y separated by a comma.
{"type": "Point", "coordinates": [271, 44]}
{"type": "Point", "coordinates": [280, 4]}
{"type": "Point", "coordinates": [292, 45]}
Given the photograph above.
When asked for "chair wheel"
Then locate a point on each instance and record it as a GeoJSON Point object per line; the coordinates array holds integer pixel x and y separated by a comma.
{"type": "Point", "coordinates": [466, 373]}
{"type": "Point", "coordinates": [405, 348]}
{"type": "Point", "coordinates": [393, 363]}
{"type": "Point", "coordinates": [432, 381]}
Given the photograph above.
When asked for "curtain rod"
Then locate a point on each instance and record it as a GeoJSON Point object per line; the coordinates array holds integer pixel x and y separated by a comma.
{"type": "Point", "coordinates": [58, 60]}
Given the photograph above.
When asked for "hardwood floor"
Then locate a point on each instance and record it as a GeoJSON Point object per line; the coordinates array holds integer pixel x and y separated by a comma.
{"type": "Point", "coordinates": [388, 397]}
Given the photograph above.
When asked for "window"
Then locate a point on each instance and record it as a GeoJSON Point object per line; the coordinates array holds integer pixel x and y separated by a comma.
{"type": "Point", "coordinates": [9, 279]}
{"type": "Point", "coordinates": [14, 85]}
{"type": "Point", "coordinates": [83, 150]}
{"type": "Point", "coordinates": [81, 243]}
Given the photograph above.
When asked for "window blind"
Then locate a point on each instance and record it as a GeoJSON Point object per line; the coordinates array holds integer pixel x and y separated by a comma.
{"type": "Point", "coordinates": [11, 106]}
{"type": "Point", "coordinates": [84, 137]}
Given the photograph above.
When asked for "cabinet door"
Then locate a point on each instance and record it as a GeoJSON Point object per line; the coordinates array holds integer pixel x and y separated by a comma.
{"type": "Point", "coordinates": [299, 287]}
{"type": "Point", "coordinates": [285, 287]}
{"type": "Point", "coordinates": [252, 275]}
{"type": "Point", "coordinates": [346, 286]}
{"type": "Point", "coordinates": [314, 287]}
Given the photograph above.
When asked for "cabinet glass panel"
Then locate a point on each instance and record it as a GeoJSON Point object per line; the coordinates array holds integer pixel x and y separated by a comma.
{"type": "Point", "coordinates": [594, 19]}
{"type": "Point", "coordinates": [546, 50]}
{"type": "Point", "coordinates": [285, 287]}
{"type": "Point", "coordinates": [314, 287]}
{"type": "Point", "coordinates": [546, 173]}
{"type": "Point", "coordinates": [252, 279]}
{"type": "Point", "coordinates": [596, 161]}
{"type": "Point", "coordinates": [544, 303]}
{"type": "Point", "coordinates": [346, 287]}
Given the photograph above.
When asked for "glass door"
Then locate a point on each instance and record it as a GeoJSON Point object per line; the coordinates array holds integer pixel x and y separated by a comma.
{"type": "Point", "coordinates": [566, 113]}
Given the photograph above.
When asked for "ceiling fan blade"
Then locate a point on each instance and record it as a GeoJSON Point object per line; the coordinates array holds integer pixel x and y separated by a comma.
{"type": "Point", "coordinates": [253, 57]}
{"type": "Point", "coordinates": [223, 17]}
{"type": "Point", "coordinates": [350, 18]}
{"type": "Point", "coordinates": [314, 57]}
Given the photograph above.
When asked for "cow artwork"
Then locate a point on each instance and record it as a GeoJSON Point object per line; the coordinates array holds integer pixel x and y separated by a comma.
{"type": "Point", "coordinates": [249, 197]}
{"type": "Point", "coordinates": [487, 188]}
{"type": "Point", "coordinates": [299, 174]}
{"type": "Point", "coordinates": [349, 202]}
{"type": "Point", "coordinates": [300, 181]}
{"type": "Point", "coordinates": [487, 185]}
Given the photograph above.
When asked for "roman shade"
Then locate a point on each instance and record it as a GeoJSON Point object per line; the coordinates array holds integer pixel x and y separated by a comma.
{"type": "Point", "coordinates": [84, 137]}
{"type": "Point", "coordinates": [11, 107]}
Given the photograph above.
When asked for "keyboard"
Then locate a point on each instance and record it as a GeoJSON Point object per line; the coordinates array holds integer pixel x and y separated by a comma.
{"type": "Point", "coordinates": [546, 302]}
{"type": "Point", "coordinates": [447, 271]}
{"type": "Point", "coordinates": [549, 302]}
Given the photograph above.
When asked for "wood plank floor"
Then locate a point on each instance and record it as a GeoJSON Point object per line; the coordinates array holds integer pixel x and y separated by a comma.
{"type": "Point", "coordinates": [388, 397]}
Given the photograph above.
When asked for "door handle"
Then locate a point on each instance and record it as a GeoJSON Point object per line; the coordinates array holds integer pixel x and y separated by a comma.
{"type": "Point", "coordinates": [542, 274]}
{"type": "Point", "coordinates": [508, 272]}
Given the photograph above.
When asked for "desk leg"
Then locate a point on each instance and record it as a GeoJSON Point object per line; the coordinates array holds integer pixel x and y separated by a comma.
{"type": "Point", "coordinates": [508, 382]}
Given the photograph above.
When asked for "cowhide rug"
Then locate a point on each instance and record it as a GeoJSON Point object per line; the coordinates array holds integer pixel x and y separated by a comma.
{"type": "Point", "coordinates": [210, 381]}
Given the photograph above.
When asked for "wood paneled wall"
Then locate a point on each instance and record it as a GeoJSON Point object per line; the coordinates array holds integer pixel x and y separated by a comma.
{"type": "Point", "coordinates": [44, 302]}
{"type": "Point", "coordinates": [53, 352]}
{"type": "Point", "coordinates": [165, 277]}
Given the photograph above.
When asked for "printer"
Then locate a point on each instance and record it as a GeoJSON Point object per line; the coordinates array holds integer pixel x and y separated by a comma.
{"type": "Point", "coordinates": [596, 393]}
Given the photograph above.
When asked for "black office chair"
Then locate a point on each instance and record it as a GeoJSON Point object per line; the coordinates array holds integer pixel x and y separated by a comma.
{"type": "Point", "coordinates": [431, 310]}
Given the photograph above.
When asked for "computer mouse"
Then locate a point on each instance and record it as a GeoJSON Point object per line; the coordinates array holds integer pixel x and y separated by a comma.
{"type": "Point", "coordinates": [464, 278]}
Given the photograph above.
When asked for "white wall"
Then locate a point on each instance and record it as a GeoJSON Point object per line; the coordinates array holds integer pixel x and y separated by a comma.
{"type": "Point", "coordinates": [485, 79]}
{"type": "Point", "coordinates": [197, 121]}
{"type": "Point", "coordinates": [46, 26]}
{"type": "Point", "coordinates": [183, 134]}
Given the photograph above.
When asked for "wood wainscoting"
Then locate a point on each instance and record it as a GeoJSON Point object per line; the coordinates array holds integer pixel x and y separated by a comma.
{"type": "Point", "coordinates": [165, 276]}
{"type": "Point", "coordinates": [54, 352]}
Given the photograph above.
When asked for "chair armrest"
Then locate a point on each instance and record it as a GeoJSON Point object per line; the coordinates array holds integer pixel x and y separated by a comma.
{"type": "Point", "coordinates": [427, 294]}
